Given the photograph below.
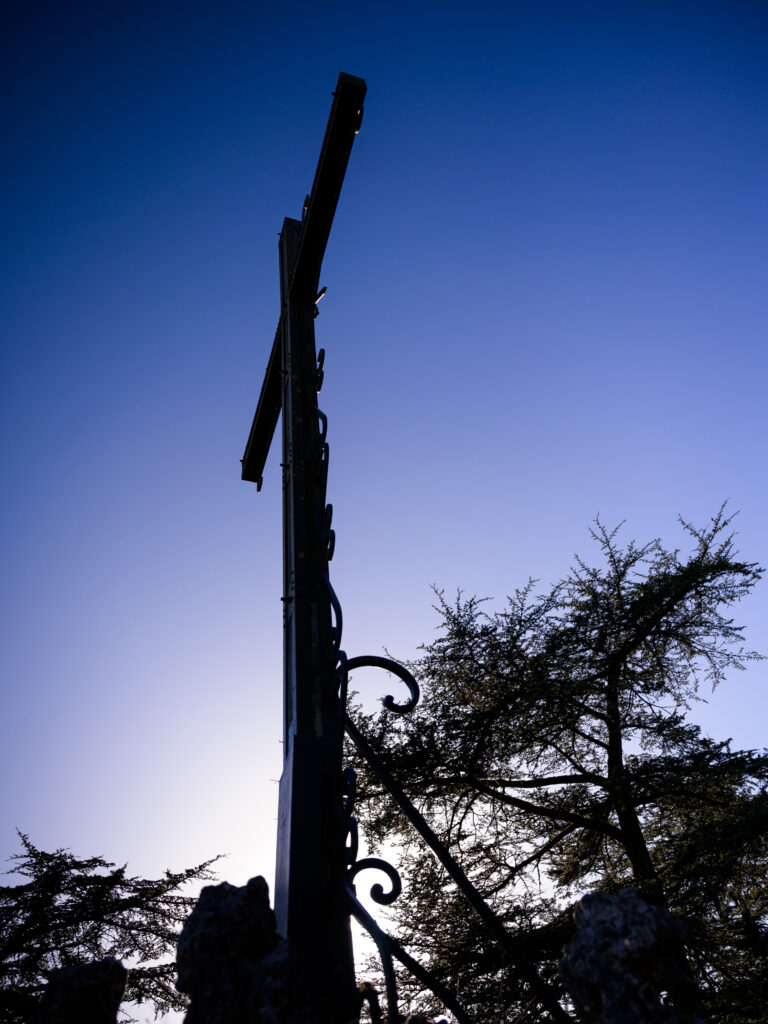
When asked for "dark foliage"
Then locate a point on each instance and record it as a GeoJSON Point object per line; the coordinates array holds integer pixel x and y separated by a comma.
{"type": "Point", "coordinates": [552, 754]}
{"type": "Point", "coordinates": [71, 911]}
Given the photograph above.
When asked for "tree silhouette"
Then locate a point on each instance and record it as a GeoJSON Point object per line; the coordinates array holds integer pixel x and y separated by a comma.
{"type": "Point", "coordinates": [70, 911]}
{"type": "Point", "coordinates": [552, 754]}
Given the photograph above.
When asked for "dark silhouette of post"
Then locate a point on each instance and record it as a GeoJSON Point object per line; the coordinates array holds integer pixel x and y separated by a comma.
{"type": "Point", "coordinates": [310, 902]}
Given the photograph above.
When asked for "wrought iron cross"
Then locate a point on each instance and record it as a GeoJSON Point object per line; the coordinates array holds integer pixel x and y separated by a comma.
{"type": "Point", "coordinates": [310, 902]}
{"type": "Point", "coordinates": [317, 850]}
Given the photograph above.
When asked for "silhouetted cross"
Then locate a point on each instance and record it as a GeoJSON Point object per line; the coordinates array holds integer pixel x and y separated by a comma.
{"type": "Point", "coordinates": [309, 893]}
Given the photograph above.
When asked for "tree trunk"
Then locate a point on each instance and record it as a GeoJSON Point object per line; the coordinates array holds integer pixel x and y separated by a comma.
{"type": "Point", "coordinates": [633, 840]}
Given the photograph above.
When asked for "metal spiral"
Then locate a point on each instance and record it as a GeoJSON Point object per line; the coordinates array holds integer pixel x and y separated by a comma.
{"type": "Point", "coordinates": [375, 661]}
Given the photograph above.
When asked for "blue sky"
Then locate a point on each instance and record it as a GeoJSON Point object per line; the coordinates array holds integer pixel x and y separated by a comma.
{"type": "Point", "coordinates": [546, 301]}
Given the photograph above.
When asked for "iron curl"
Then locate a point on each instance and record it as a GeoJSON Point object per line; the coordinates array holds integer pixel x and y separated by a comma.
{"type": "Point", "coordinates": [375, 661]}
{"type": "Point", "coordinates": [377, 890]}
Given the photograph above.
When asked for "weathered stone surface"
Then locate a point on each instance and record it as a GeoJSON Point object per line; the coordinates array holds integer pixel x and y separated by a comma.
{"type": "Point", "coordinates": [625, 955]}
{"type": "Point", "coordinates": [83, 994]}
{"type": "Point", "coordinates": [232, 963]}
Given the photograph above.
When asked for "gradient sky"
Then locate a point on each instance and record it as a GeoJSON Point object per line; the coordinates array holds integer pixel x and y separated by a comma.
{"type": "Point", "coordinates": [546, 301]}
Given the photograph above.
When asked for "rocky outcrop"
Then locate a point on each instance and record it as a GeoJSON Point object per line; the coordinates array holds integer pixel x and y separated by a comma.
{"type": "Point", "coordinates": [232, 963]}
{"type": "Point", "coordinates": [626, 963]}
{"type": "Point", "coordinates": [83, 994]}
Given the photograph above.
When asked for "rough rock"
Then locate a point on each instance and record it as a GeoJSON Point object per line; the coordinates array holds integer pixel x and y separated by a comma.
{"type": "Point", "coordinates": [626, 964]}
{"type": "Point", "coordinates": [231, 962]}
{"type": "Point", "coordinates": [83, 994]}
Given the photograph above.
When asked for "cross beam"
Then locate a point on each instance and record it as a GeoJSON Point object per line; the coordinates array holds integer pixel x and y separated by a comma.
{"type": "Point", "coordinates": [309, 882]}
{"type": "Point", "coordinates": [343, 124]}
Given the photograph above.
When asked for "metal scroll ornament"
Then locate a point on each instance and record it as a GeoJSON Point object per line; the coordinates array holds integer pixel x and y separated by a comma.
{"type": "Point", "coordinates": [388, 947]}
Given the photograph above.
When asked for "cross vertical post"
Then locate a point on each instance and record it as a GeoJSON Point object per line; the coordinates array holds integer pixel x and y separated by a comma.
{"type": "Point", "coordinates": [310, 900]}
